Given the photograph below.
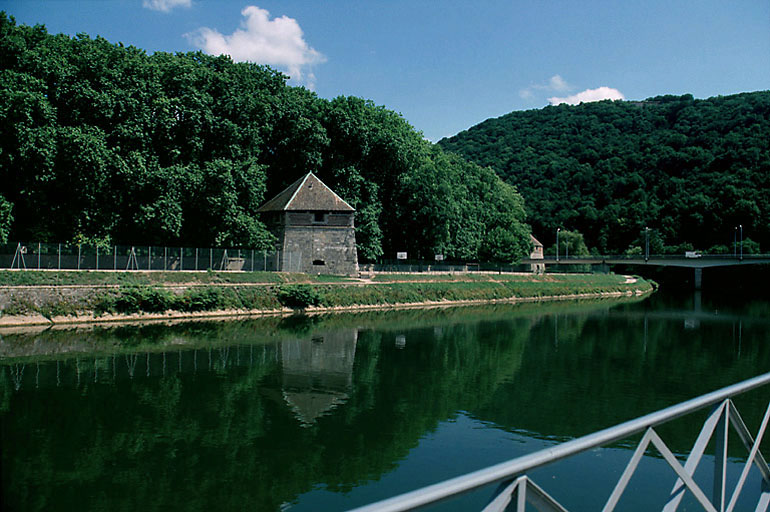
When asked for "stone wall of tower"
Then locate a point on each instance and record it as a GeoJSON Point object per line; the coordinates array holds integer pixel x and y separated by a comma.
{"type": "Point", "coordinates": [319, 243]}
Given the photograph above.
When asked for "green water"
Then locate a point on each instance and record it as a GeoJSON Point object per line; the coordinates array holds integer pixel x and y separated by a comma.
{"type": "Point", "coordinates": [329, 413]}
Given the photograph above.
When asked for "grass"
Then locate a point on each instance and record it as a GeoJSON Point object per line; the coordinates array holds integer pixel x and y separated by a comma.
{"type": "Point", "coordinates": [480, 289]}
{"type": "Point", "coordinates": [215, 291]}
{"type": "Point", "coordinates": [139, 278]}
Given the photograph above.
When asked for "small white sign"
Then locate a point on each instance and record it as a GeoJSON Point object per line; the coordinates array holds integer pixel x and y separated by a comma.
{"type": "Point", "coordinates": [439, 257]}
{"type": "Point", "coordinates": [401, 255]}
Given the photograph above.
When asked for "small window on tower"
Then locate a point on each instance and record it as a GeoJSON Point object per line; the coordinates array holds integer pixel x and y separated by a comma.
{"type": "Point", "coordinates": [319, 218]}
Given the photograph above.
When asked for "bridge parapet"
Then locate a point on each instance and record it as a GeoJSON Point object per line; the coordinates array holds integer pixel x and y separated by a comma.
{"type": "Point", "coordinates": [660, 260]}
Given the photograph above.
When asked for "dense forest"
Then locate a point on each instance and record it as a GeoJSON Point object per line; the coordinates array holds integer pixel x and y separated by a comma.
{"type": "Point", "coordinates": [690, 170]}
{"type": "Point", "coordinates": [103, 143]}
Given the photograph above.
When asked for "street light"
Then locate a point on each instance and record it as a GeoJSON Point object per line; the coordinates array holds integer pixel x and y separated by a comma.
{"type": "Point", "coordinates": [740, 226]}
{"type": "Point", "coordinates": [557, 243]}
{"type": "Point", "coordinates": [735, 242]}
{"type": "Point", "coordinates": [646, 244]}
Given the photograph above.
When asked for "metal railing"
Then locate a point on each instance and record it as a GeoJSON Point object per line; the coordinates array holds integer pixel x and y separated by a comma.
{"type": "Point", "coordinates": [62, 256]}
{"type": "Point", "coordinates": [516, 489]}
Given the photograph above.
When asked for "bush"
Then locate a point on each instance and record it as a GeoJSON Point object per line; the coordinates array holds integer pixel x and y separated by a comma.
{"type": "Point", "coordinates": [206, 299]}
{"type": "Point", "coordinates": [133, 299]}
{"type": "Point", "coordinates": [299, 296]}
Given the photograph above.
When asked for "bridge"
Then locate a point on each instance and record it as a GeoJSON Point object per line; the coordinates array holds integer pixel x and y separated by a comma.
{"type": "Point", "coordinates": [698, 263]}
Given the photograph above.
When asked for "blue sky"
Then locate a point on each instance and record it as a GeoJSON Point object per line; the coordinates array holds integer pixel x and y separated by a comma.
{"type": "Point", "coordinates": [449, 65]}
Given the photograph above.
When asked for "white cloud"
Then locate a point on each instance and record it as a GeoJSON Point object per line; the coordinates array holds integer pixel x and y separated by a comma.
{"type": "Point", "coordinates": [555, 84]}
{"type": "Point", "coordinates": [278, 42]}
{"type": "Point", "coordinates": [602, 93]}
{"type": "Point", "coordinates": [165, 5]}
{"type": "Point", "coordinates": [526, 93]}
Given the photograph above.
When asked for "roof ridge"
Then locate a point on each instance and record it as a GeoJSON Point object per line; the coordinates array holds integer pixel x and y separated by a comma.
{"type": "Point", "coordinates": [300, 194]}
{"type": "Point", "coordinates": [299, 187]}
{"type": "Point", "coordinates": [327, 187]}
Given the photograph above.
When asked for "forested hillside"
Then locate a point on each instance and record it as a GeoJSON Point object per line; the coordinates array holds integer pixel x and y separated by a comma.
{"type": "Point", "coordinates": [105, 143]}
{"type": "Point", "coordinates": [690, 170]}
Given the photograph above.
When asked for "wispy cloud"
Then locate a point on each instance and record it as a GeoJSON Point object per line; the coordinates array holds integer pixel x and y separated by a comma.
{"type": "Point", "coordinates": [554, 84]}
{"type": "Point", "coordinates": [278, 42]}
{"type": "Point", "coordinates": [165, 5]}
{"type": "Point", "coordinates": [589, 95]}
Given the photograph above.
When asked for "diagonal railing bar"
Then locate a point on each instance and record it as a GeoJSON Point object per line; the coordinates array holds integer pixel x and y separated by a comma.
{"type": "Point", "coordinates": [503, 496]}
{"type": "Point", "coordinates": [677, 467]}
{"type": "Point", "coordinates": [764, 499]}
{"type": "Point", "coordinates": [541, 499]}
{"type": "Point", "coordinates": [720, 461]}
{"type": "Point", "coordinates": [516, 468]}
{"type": "Point", "coordinates": [749, 462]}
{"type": "Point", "coordinates": [748, 442]}
{"type": "Point", "coordinates": [521, 495]}
{"type": "Point", "coordinates": [612, 501]}
{"type": "Point", "coordinates": [698, 449]}
{"type": "Point", "coordinates": [525, 491]}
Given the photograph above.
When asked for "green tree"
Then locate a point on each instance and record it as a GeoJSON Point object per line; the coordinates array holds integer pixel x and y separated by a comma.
{"type": "Point", "coordinates": [6, 218]}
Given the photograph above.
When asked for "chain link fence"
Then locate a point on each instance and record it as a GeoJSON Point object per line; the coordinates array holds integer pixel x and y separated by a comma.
{"type": "Point", "coordinates": [410, 266]}
{"type": "Point", "coordinates": [46, 256]}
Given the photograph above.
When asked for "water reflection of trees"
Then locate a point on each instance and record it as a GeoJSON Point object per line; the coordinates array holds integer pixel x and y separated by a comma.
{"type": "Point", "coordinates": [159, 428]}
{"type": "Point", "coordinates": [217, 424]}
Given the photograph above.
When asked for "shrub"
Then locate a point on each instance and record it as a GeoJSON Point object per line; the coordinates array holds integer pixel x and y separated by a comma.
{"type": "Point", "coordinates": [299, 296]}
{"type": "Point", "coordinates": [132, 299]}
{"type": "Point", "coordinates": [206, 299]}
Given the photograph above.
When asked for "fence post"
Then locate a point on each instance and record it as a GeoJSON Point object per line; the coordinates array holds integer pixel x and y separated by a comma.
{"type": "Point", "coordinates": [115, 258]}
{"type": "Point", "coordinates": [79, 256]}
{"type": "Point", "coordinates": [97, 256]}
{"type": "Point", "coordinates": [165, 259]}
{"type": "Point", "coordinates": [59, 263]}
{"type": "Point", "coordinates": [196, 258]}
{"type": "Point", "coordinates": [181, 259]}
{"type": "Point", "coordinates": [264, 253]}
{"type": "Point", "coordinates": [252, 260]}
{"type": "Point", "coordinates": [149, 257]}
{"type": "Point", "coordinates": [211, 258]}
{"type": "Point", "coordinates": [38, 255]}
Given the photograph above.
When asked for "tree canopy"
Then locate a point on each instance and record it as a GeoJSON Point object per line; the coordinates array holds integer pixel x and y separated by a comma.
{"type": "Point", "coordinates": [104, 142]}
{"type": "Point", "coordinates": [690, 170]}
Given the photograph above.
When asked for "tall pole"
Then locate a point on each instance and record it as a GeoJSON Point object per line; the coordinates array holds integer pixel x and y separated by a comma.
{"type": "Point", "coordinates": [740, 226]}
{"type": "Point", "coordinates": [646, 244]}
{"type": "Point", "coordinates": [735, 242]}
{"type": "Point", "coordinates": [557, 243]}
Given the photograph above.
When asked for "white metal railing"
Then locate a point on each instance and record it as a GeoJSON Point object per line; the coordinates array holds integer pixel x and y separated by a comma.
{"type": "Point", "coordinates": [516, 489]}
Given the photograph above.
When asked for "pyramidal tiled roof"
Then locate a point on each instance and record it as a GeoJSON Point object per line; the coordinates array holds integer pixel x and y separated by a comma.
{"type": "Point", "coordinates": [307, 193]}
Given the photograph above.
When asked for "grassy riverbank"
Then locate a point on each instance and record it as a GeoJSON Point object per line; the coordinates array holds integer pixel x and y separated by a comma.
{"type": "Point", "coordinates": [108, 278]}
{"type": "Point", "coordinates": [99, 296]}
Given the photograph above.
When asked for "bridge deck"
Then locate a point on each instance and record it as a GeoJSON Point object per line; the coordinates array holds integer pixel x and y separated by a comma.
{"type": "Point", "coordinates": [657, 260]}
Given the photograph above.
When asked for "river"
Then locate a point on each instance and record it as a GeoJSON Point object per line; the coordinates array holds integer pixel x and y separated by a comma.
{"type": "Point", "coordinates": [333, 412]}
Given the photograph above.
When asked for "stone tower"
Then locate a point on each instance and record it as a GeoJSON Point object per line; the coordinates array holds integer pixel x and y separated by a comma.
{"type": "Point", "coordinates": [314, 227]}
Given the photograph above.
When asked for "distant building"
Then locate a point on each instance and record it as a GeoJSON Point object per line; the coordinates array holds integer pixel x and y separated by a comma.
{"type": "Point", "coordinates": [536, 254]}
{"type": "Point", "coordinates": [314, 227]}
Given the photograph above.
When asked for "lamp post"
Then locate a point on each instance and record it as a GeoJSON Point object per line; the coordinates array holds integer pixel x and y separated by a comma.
{"type": "Point", "coordinates": [557, 243]}
{"type": "Point", "coordinates": [740, 226]}
{"type": "Point", "coordinates": [735, 242]}
{"type": "Point", "coordinates": [646, 244]}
